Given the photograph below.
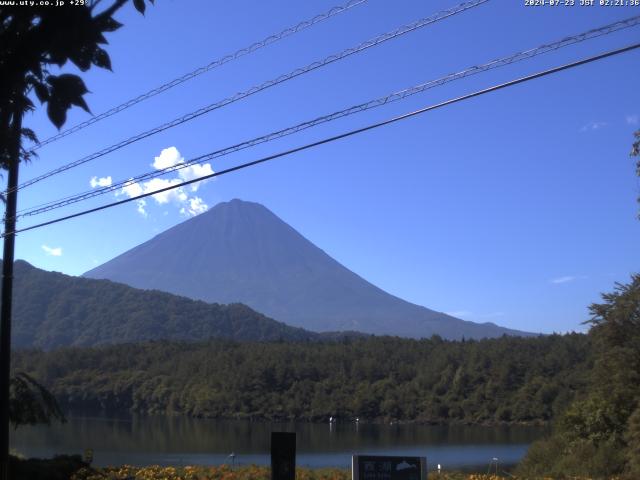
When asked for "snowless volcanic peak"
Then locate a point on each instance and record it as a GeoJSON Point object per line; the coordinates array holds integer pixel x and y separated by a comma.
{"type": "Point", "coordinates": [241, 252]}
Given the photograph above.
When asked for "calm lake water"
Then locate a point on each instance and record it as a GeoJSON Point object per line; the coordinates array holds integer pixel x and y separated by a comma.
{"type": "Point", "coordinates": [188, 441]}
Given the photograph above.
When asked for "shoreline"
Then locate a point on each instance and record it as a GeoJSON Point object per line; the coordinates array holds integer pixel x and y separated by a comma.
{"type": "Point", "coordinates": [304, 420]}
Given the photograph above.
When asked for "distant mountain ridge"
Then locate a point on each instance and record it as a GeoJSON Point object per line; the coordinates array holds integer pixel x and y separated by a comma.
{"type": "Point", "coordinates": [240, 251]}
{"type": "Point", "coordinates": [52, 310]}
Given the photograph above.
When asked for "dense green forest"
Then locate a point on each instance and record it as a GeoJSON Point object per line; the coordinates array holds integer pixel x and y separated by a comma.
{"type": "Point", "coordinates": [52, 310]}
{"type": "Point", "coordinates": [505, 380]}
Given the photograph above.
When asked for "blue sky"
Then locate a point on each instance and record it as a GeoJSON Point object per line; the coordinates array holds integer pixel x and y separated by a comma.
{"type": "Point", "coordinates": [517, 207]}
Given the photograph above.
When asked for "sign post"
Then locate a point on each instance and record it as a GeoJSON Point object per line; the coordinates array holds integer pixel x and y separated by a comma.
{"type": "Point", "coordinates": [369, 467]}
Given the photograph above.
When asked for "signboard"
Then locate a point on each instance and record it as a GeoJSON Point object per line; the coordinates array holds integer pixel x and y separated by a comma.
{"type": "Point", "coordinates": [369, 467]}
{"type": "Point", "coordinates": [283, 456]}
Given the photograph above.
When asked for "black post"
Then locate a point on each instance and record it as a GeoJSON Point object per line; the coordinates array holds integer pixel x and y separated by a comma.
{"type": "Point", "coordinates": [7, 291]}
{"type": "Point", "coordinates": [283, 456]}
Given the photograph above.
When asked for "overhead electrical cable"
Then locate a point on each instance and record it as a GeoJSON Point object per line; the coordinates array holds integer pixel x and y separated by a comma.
{"type": "Point", "coordinates": [337, 137]}
{"type": "Point", "coordinates": [268, 84]}
{"type": "Point", "coordinates": [271, 39]}
{"type": "Point", "coordinates": [399, 95]}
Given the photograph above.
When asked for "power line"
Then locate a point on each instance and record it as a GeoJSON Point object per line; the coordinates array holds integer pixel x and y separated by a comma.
{"type": "Point", "coordinates": [338, 137]}
{"type": "Point", "coordinates": [268, 84]}
{"type": "Point", "coordinates": [399, 95]}
{"type": "Point", "coordinates": [201, 70]}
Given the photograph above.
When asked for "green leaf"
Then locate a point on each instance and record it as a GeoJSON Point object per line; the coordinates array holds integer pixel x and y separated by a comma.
{"type": "Point", "coordinates": [42, 91]}
{"type": "Point", "coordinates": [101, 59]}
{"type": "Point", "coordinates": [30, 134]}
{"type": "Point", "coordinates": [108, 24]}
{"type": "Point", "coordinates": [139, 5]}
{"type": "Point", "coordinates": [68, 89]}
{"type": "Point", "coordinates": [82, 58]}
{"type": "Point", "coordinates": [80, 102]}
{"type": "Point", "coordinates": [25, 104]}
{"type": "Point", "coordinates": [101, 39]}
{"type": "Point", "coordinates": [30, 403]}
{"type": "Point", "coordinates": [57, 113]}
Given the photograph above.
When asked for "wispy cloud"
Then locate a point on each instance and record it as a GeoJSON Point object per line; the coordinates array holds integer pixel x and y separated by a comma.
{"type": "Point", "coordinates": [459, 313]}
{"type": "Point", "coordinates": [567, 279]}
{"type": "Point", "coordinates": [180, 196]}
{"type": "Point", "coordinates": [141, 204]}
{"type": "Point", "coordinates": [55, 252]}
{"type": "Point", "coordinates": [592, 126]}
{"type": "Point", "coordinates": [633, 119]}
{"type": "Point", "coordinates": [100, 182]}
{"type": "Point", "coordinates": [491, 315]}
{"type": "Point", "coordinates": [469, 315]}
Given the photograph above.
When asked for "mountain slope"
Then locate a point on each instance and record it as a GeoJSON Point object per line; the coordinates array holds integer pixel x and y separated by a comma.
{"type": "Point", "coordinates": [51, 310]}
{"type": "Point", "coordinates": [241, 252]}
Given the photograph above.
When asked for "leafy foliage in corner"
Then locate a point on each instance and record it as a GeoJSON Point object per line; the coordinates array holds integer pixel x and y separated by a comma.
{"type": "Point", "coordinates": [599, 434]}
{"type": "Point", "coordinates": [30, 403]}
{"type": "Point", "coordinates": [496, 381]}
{"type": "Point", "coordinates": [632, 439]}
{"type": "Point", "coordinates": [635, 152]}
{"type": "Point", "coordinates": [60, 467]}
{"type": "Point", "coordinates": [35, 38]}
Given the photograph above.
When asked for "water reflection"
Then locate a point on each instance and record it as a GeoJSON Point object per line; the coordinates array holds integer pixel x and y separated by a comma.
{"type": "Point", "coordinates": [179, 440]}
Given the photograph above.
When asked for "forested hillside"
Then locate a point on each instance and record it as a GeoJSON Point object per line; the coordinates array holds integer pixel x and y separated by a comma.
{"type": "Point", "coordinates": [518, 380]}
{"type": "Point", "coordinates": [598, 435]}
{"type": "Point", "coordinates": [52, 310]}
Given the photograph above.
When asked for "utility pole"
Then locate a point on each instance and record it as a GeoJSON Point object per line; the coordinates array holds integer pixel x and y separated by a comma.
{"type": "Point", "coordinates": [7, 291]}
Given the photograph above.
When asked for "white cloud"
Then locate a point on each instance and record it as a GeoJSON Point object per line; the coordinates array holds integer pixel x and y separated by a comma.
{"type": "Point", "coordinates": [130, 189]}
{"type": "Point", "coordinates": [135, 189]}
{"type": "Point", "coordinates": [141, 204]}
{"type": "Point", "coordinates": [195, 207]}
{"type": "Point", "coordinates": [195, 171]}
{"type": "Point", "coordinates": [592, 126]}
{"type": "Point", "coordinates": [176, 194]}
{"type": "Point", "coordinates": [55, 252]}
{"type": "Point", "coordinates": [632, 119]}
{"type": "Point", "coordinates": [100, 182]}
{"type": "Point", "coordinates": [170, 157]}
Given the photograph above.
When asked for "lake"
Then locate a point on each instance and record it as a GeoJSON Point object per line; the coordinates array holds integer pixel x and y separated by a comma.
{"type": "Point", "coordinates": [190, 441]}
